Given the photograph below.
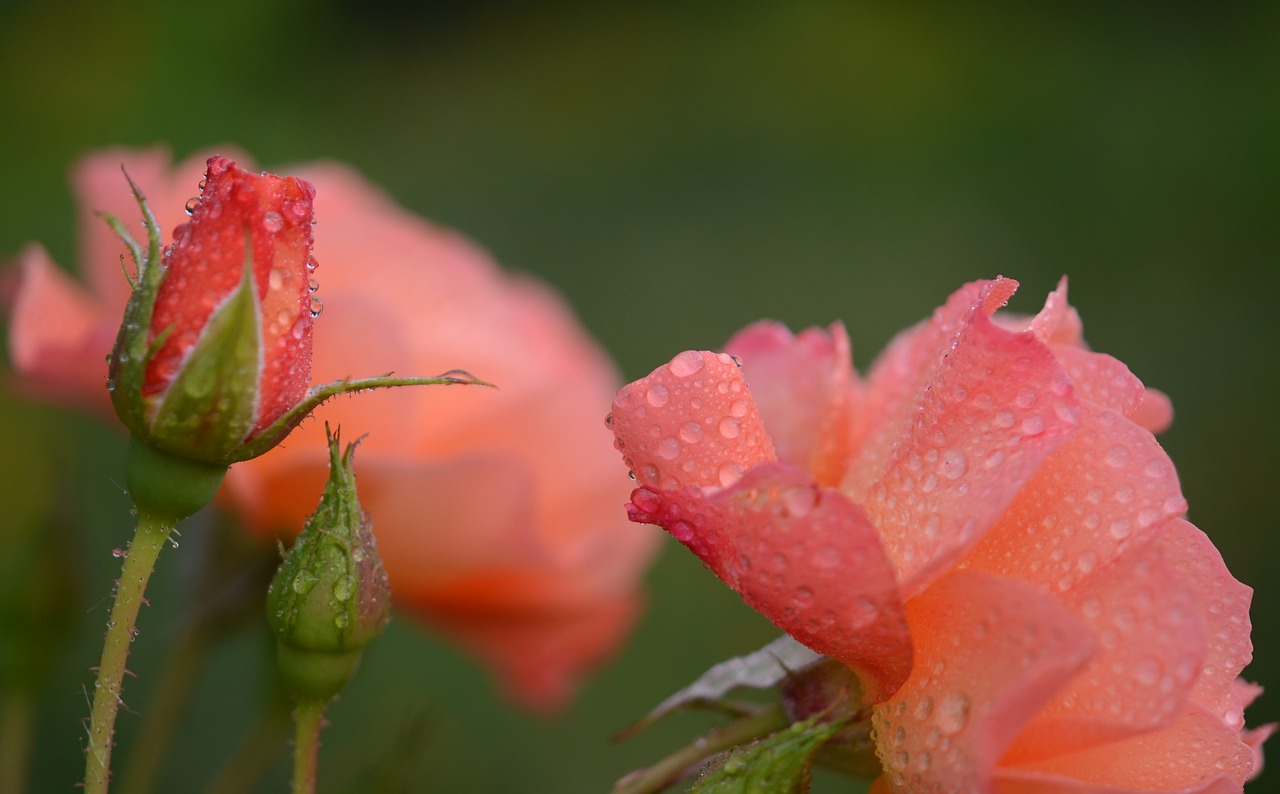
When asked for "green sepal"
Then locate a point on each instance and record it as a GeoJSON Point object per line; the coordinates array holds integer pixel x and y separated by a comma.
{"type": "Point", "coordinates": [131, 352]}
{"type": "Point", "coordinates": [166, 486]}
{"type": "Point", "coordinates": [778, 763]}
{"type": "Point", "coordinates": [315, 675]}
{"type": "Point", "coordinates": [274, 433]}
{"type": "Point", "coordinates": [208, 410]}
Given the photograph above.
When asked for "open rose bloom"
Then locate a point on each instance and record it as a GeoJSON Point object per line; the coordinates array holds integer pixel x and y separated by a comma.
{"type": "Point", "coordinates": [984, 529]}
{"type": "Point", "coordinates": [496, 510]}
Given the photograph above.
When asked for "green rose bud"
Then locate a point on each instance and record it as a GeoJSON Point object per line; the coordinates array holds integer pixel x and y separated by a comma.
{"type": "Point", "coordinates": [330, 597]}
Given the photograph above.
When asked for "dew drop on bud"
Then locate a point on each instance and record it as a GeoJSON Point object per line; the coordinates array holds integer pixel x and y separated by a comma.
{"type": "Point", "coordinates": [272, 221]}
{"type": "Point", "coordinates": [117, 552]}
{"type": "Point", "coordinates": [312, 284]}
{"type": "Point", "coordinates": [191, 205]}
{"type": "Point", "coordinates": [317, 306]}
{"type": "Point", "coordinates": [202, 184]}
{"type": "Point", "coordinates": [312, 264]}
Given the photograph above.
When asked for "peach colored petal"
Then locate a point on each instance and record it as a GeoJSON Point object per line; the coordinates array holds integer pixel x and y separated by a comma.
{"type": "Point", "coordinates": [1020, 781]}
{"type": "Point", "coordinates": [899, 374]}
{"type": "Point", "coordinates": [788, 547]}
{"type": "Point", "coordinates": [1103, 491]}
{"type": "Point", "coordinates": [59, 336]}
{"type": "Point", "coordinates": [1151, 645]}
{"type": "Point", "coordinates": [1155, 413]}
{"type": "Point", "coordinates": [692, 421]}
{"type": "Point", "coordinates": [990, 651]}
{"type": "Point", "coordinates": [540, 659]}
{"type": "Point", "coordinates": [1058, 323]}
{"type": "Point", "coordinates": [1194, 751]}
{"type": "Point", "coordinates": [1224, 604]}
{"type": "Point", "coordinates": [991, 411]}
{"type": "Point", "coordinates": [806, 390]}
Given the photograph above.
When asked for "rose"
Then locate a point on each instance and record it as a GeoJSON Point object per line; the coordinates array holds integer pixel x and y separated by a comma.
{"type": "Point", "coordinates": [495, 509]}
{"type": "Point", "coordinates": [982, 530]}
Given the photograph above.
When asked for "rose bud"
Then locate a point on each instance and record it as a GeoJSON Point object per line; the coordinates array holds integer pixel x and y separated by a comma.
{"type": "Point", "coordinates": [330, 597]}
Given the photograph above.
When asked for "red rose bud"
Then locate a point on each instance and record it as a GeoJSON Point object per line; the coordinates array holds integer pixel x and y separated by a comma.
{"type": "Point", "coordinates": [216, 343]}
{"type": "Point", "coordinates": [213, 360]}
{"type": "Point", "coordinates": [330, 597]}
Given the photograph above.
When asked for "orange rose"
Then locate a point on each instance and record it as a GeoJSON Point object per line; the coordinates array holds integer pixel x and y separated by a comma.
{"type": "Point", "coordinates": [495, 509]}
{"type": "Point", "coordinates": [984, 530]}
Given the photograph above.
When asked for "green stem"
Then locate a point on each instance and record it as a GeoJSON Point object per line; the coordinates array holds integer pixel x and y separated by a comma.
{"type": "Point", "coordinates": [308, 719]}
{"type": "Point", "coordinates": [139, 562]}
{"type": "Point", "coordinates": [165, 706]}
{"type": "Point", "coordinates": [673, 767]}
{"type": "Point", "coordinates": [15, 739]}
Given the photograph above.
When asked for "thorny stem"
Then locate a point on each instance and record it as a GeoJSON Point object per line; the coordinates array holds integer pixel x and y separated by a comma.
{"type": "Point", "coordinates": [139, 562]}
{"type": "Point", "coordinates": [673, 767]}
{"type": "Point", "coordinates": [308, 719]}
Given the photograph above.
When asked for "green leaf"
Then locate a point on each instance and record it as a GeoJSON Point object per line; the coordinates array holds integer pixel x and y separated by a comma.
{"type": "Point", "coordinates": [778, 763]}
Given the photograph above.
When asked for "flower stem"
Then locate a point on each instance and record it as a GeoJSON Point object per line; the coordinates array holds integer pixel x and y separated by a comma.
{"type": "Point", "coordinates": [308, 719]}
{"type": "Point", "coordinates": [673, 767]}
{"type": "Point", "coordinates": [139, 562]}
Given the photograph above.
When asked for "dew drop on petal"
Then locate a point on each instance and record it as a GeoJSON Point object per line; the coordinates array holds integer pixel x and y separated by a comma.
{"type": "Point", "coordinates": [317, 306]}
{"type": "Point", "coordinates": [954, 465]}
{"type": "Point", "coordinates": [657, 395]}
{"type": "Point", "coordinates": [685, 364]}
{"type": "Point", "coordinates": [730, 427]}
{"type": "Point", "coordinates": [669, 448]}
{"type": "Point", "coordinates": [730, 473]}
{"type": "Point", "coordinates": [691, 432]}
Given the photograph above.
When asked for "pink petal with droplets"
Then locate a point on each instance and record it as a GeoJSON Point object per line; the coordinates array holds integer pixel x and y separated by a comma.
{"type": "Point", "coordinates": [805, 557]}
{"type": "Point", "coordinates": [806, 389]}
{"type": "Point", "coordinates": [690, 422]}
{"type": "Point", "coordinates": [1224, 604]}
{"type": "Point", "coordinates": [1194, 751]}
{"type": "Point", "coordinates": [1020, 781]}
{"type": "Point", "coordinates": [988, 415]}
{"type": "Point", "coordinates": [1156, 411]}
{"type": "Point", "coordinates": [1151, 645]}
{"type": "Point", "coordinates": [897, 376]}
{"type": "Point", "coordinates": [990, 652]}
{"type": "Point", "coordinates": [1097, 495]}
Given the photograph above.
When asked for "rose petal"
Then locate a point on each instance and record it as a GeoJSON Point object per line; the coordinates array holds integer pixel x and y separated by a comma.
{"type": "Point", "coordinates": [788, 547]}
{"type": "Point", "coordinates": [994, 408]}
{"type": "Point", "coordinates": [990, 651]}
{"type": "Point", "coordinates": [539, 658]}
{"type": "Point", "coordinates": [1224, 603]}
{"type": "Point", "coordinates": [59, 335]}
{"type": "Point", "coordinates": [691, 421]}
{"type": "Point", "coordinates": [1100, 493]}
{"type": "Point", "coordinates": [1194, 751]}
{"type": "Point", "coordinates": [806, 389]}
{"type": "Point", "coordinates": [1021, 781]}
{"type": "Point", "coordinates": [1151, 645]}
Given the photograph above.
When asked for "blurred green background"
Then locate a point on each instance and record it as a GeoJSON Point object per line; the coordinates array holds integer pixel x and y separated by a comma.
{"type": "Point", "coordinates": [677, 171]}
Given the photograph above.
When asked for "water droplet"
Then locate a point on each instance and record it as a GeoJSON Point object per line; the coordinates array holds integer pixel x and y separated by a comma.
{"type": "Point", "coordinates": [312, 284]}
{"type": "Point", "coordinates": [1117, 457]}
{"type": "Point", "coordinates": [681, 531]}
{"type": "Point", "coordinates": [118, 553]}
{"type": "Point", "coordinates": [658, 395]}
{"type": "Point", "coordinates": [1025, 399]}
{"type": "Point", "coordinates": [862, 612]}
{"type": "Point", "coordinates": [953, 713]}
{"type": "Point", "coordinates": [303, 582]}
{"type": "Point", "coordinates": [730, 473]}
{"type": "Point", "coordinates": [669, 448]}
{"type": "Point", "coordinates": [317, 306]}
{"type": "Point", "coordinates": [738, 408]}
{"type": "Point", "coordinates": [1147, 671]}
{"type": "Point", "coordinates": [954, 465]}
{"type": "Point", "coordinates": [691, 432]}
{"type": "Point", "coordinates": [730, 427]}
{"type": "Point", "coordinates": [191, 205]}
{"type": "Point", "coordinates": [203, 182]}
{"type": "Point", "coordinates": [803, 597]}
{"type": "Point", "coordinates": [340, 620]}
{"type": "Point", "coordinates": [1032, 426]}
{"type": "Point", "coordinates": [685, 364]}
{"type": "Point", "coordinates": [276, 278]}
{"type": "Point", "coordinates": [924, 707]}
{"type": "Point", "coordinates": [1121, 528]}
{"type": "Point", "coordinates": [312, 264]}
{"type": "Point", "coordinates": [343, 588]}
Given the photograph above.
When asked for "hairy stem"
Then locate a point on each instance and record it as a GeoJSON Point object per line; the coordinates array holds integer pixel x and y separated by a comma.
{"type": "Point", "coordinates": [308, 719]}
{"type": "Point", "coordinates": [139, 562]}
{"type": "Point", "coordinates": [16, 715]}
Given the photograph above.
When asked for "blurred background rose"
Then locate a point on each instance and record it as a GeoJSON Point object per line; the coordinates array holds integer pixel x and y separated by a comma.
{"type": "Point", "coordinates": [677, 173]}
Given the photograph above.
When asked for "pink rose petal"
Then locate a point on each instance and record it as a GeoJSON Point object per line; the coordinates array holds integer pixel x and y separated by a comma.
{"type": "Point", "coordinates": [1151, 645]}
{"type": "Point", "coordinates": [1100, 493]}
{"type": "Point", "coordinates": [990, 651]}
{"type": "Point", "coordinates": [1196, 750]}
{"type": "Point", "coordinates": [806, 390]}
{"type": "Point", "coordinates": [788, 548]}
{"type": "Point", "coordinates": [991, 411]}
{"type": "Point", "coordinates": [691, 421]}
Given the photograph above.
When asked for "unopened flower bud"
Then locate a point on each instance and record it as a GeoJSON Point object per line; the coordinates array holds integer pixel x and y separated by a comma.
{"type": "Point", "coordinates": [330, 597]}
